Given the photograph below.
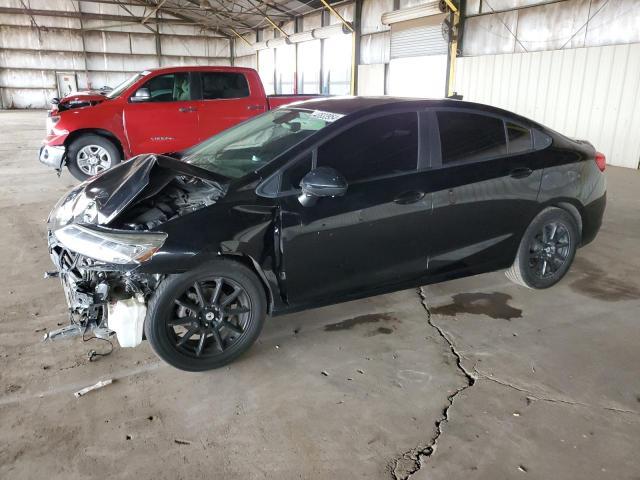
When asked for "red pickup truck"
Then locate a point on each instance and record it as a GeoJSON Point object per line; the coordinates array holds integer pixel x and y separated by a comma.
{"type": "Point", "coordinates": [160, 111]}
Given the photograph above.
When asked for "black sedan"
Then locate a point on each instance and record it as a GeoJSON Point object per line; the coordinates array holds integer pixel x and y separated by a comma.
{"type": "Point", "coordinates": [317, 203]}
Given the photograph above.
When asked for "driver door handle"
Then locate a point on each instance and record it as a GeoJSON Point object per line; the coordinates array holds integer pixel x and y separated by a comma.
{"type": "Point", "coordinates": [409, 197]}
{"type": "Point", "coordinates": [187, 109]}
{"type": "Point", "coordinates": [520, 172]}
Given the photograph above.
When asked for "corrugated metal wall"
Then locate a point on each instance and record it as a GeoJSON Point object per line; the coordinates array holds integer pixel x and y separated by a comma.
{"type": "Point", "coordinates": [535, 25]}
{"type": "Point", "coordinates": [591, 93]}
{"type": "Point", "coordinates": [99, 52]}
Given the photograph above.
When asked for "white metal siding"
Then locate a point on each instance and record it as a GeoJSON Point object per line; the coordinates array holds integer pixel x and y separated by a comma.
{"type": "Point", "coordinates": [105, 53]}
{"type": "Point", "coordinates": [591, 93]}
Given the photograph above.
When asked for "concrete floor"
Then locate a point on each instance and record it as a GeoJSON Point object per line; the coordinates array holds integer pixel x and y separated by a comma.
{"type": "Point", "coordinates": [475, 378]}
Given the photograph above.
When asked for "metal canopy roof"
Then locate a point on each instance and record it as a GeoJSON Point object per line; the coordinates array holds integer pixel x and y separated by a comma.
{"type": "Point", "coordinates": [227, 17]}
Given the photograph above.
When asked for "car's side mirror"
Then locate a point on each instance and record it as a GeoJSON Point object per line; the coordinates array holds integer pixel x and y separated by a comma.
{"type": "Point", "coordinates": [321, 182]}
{"type": "Point", "coordinates": [141, 95]}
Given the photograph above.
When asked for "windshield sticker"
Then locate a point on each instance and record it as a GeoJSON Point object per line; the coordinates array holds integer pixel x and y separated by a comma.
{"type": "Point", "coordinates": [326, 116]}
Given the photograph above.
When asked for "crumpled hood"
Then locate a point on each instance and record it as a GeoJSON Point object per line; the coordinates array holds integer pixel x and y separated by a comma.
{"type": "Point", "coordinates": [87, 98]}
{"type": "Point", "coordinates": [102, 198]}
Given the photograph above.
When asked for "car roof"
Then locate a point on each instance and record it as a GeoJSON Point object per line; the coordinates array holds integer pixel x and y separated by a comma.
{"type": "Point", "coordinates": [198, 68]}
{"type": "Point", "coordinates": [350, 105]}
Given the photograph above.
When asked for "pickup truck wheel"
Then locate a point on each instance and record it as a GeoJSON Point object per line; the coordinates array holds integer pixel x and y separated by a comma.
{"type": "Point", "coordinates": [546, 250]}
{"type": "Point", "coordinates": [207, 317]}
{"type": "Point", "coordinates": [91, 154]}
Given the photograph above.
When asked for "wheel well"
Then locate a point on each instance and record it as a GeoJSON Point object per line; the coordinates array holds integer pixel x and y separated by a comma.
{"type": "Point", "coordinates": [95, 131]}
{"type": "Point", "coordinates": [252, 265]}
{"type": "Point", "coordinates": [575, 213]}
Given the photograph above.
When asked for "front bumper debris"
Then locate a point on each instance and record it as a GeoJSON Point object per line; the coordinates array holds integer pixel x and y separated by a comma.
{"type": "Point", "coordinates": [52, 156]}
{"type": "Point", "coordinates": [101, 298]}
{"type": "Point", "coordinates": [68, 331]}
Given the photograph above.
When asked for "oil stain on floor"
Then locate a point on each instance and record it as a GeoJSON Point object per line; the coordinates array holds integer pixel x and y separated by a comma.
{"type": "Point", "coordinates": [494, 305]}
{"type": "Point", "coordinates": [349, 323]}
{"type": "Point", "coordinates": [594, 282]}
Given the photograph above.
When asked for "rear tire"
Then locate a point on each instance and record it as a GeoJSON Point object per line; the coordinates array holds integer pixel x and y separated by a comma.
{"type": "Point", "coordinates": [90, 155]}
{"type": "Point", "coordinates": [207, 317]}
{"type": "Point", "coordinates": [546, 250]}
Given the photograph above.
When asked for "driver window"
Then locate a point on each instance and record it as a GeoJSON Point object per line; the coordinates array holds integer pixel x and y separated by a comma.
{"type": "Point", "coordinates": [292, 175]}
{"type": "Point", "coordinates": [172, 87]}
{"type": "Point", "coordinates": [381, 146]}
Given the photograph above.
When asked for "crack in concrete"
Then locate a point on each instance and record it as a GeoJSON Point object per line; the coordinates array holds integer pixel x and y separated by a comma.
{"type": "Point", "coordinates": [404, 466]}
{"type": "Point", "coordinates": [410, 462]}
{"type": "Point", "coordinates": [483, 376]}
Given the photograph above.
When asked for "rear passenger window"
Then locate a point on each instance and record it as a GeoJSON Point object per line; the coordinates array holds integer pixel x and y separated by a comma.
{"type": "Point", "coordinates": [469, 137]}
{"type": "Point", "coordinates": [519, 138]}
{"type": "Point", "coordinates": [381, 146]}
{"type": "Point", "coordinates": [216, 85]}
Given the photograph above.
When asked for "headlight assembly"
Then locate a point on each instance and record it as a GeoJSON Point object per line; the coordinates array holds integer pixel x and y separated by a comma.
{"type": "Point", "coordinates": [111, 246]}
{"type": "Point", "coordinates": [52, 120]}
{"type": "Point", "coordinates": [63, 211]}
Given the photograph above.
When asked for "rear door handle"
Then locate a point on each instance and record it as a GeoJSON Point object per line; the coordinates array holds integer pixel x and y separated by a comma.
{"type": "Point", "coordinates": [255, 107]}
{"type": "Point", "coordinates": [520, 172]}
{"type": "Point", "coordinates": [409, 197]}
{"type": "Point", "coordinates": [187, 109]}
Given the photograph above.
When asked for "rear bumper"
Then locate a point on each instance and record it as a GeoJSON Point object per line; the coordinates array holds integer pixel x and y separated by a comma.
{"type": "Point", "coordinates": [592, 216]}
{"type": "Point", "coordinates": [52, 156]}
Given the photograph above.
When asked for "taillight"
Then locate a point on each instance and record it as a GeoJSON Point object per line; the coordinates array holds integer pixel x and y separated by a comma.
{"type": "Point", "coordinates": [601, 161]}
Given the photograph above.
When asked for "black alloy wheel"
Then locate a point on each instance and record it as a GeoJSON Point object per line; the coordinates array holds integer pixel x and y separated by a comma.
{"type": "Point", "coordinates": [209, 317]}
{"type": "Point", "coordinates": [204, 319]}
{"type": "Point", "coordinates": [549, 249]}
{"type": "Point", "coordinates": [546, 250]}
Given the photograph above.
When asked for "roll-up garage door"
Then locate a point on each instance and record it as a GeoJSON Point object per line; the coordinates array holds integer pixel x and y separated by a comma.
{"type": "Point", "coordinates": [418, 51]}
{"type": "Point", "coordinates": [419, 37]}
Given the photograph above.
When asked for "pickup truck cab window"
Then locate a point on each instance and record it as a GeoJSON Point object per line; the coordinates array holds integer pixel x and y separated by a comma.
{"type": "Point", "coordinates": [251, 145]}
{"type": "Point", "coordinates": [217, 85]}
{"type": "Point", "coordinates": [171, 87]}
{"type": "Point", "coordinates": [470, 137]}
{"type": "Point", "coordinates": [378, 147]}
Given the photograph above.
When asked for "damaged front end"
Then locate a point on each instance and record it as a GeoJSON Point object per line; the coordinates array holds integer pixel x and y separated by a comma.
{"type": "Point", "coordinates": [101, 232]}
{"type": "Point", "coordinates": [95, 289]}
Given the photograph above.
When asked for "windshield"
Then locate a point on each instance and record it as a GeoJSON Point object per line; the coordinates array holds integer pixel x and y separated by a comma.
{"type": "Point", "coordinates": [126, 84]}
{"type": "Point", "coordinates": [251, 145]}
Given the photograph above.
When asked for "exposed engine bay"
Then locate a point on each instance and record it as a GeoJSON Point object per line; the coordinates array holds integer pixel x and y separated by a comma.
{"type": "Point", "coordinates": [112, 217]}
{"type": "Point", "coordinates": [181, 196]}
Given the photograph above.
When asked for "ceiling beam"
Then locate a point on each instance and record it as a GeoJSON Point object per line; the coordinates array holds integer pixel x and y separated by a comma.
{"type": "Point", "coordinates": [126, 9]}
{"type": "Point", "coordinates": [87, 16]}
{"type": "Point", "coordinates": [154, 10]}
{"type": "Point", "coordinates": [225, 13]}
{"type": "Point", "coordinates": [132, 3]}
{"type": "Point", "coordinates": [199, 20]}
{"type": "Point", "coordinates": [270, 20]}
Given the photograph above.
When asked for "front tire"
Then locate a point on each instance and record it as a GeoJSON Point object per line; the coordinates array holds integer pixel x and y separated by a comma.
{"type": "Point", "coordinates": [546, 250]}
{"type": "Point", "coordinates": [206, 318]}
{"type": "Point", "coordinates": [90, 155]}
